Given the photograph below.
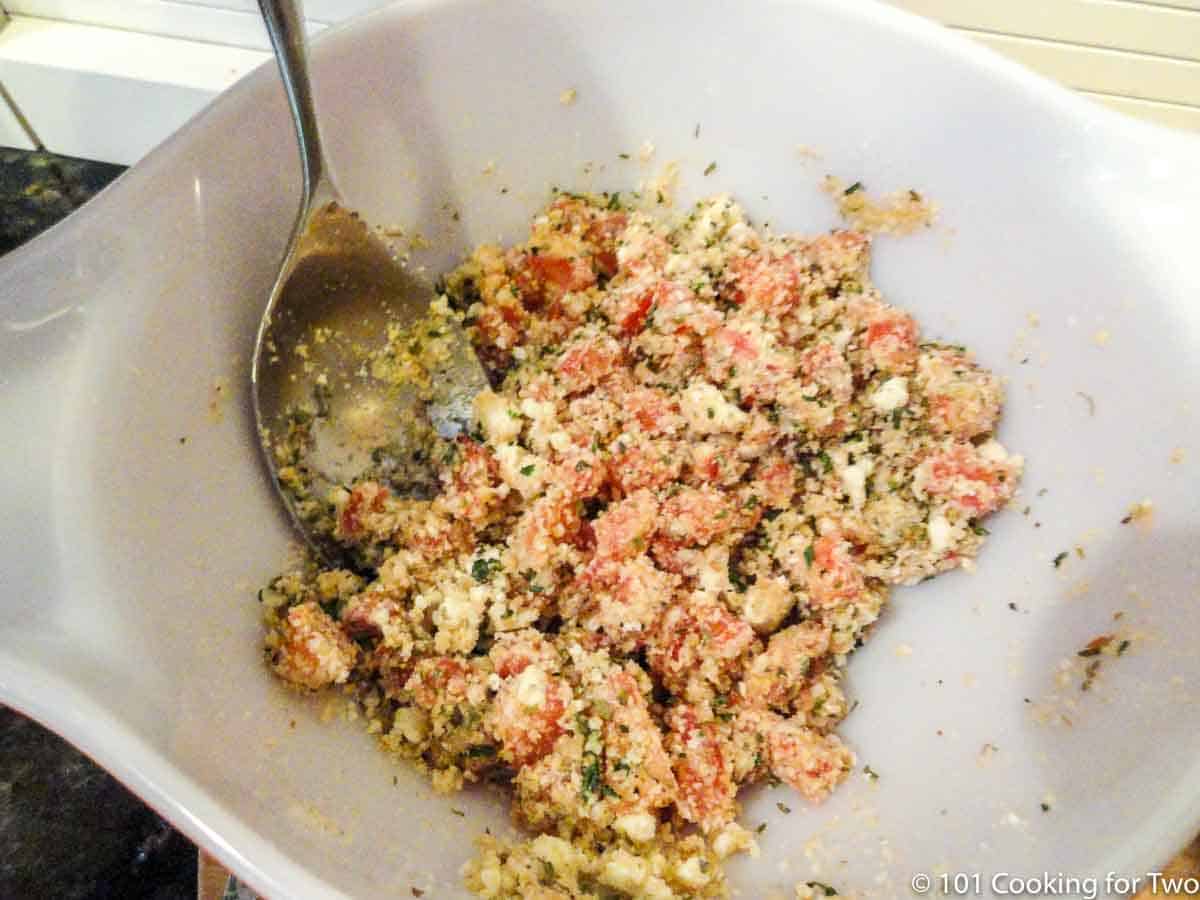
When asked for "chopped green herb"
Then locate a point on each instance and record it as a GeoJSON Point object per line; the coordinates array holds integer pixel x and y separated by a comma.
{"type": "Point", "coordinates": [1122, 647]}
{"type": "Point", "coordinates": [482, 570]}
{"type": "Point", "coordinates": [614, 202]}
{"type": "Point", "coordinates": [591, 776]}
{"type": "Point", "coordinates": [528, 470]}
{"type": "Point", "coordinates": [458, 812]}
{"type": "Point", "coordinates": [1045, 807]}
{"type": "Point", "coordinates": [818, 886]}
{"type": "Point", "coordinates": [712, 414]}
{"type": "Point", "coordinates": [761, 828]}
{"type": "Point", "coordinates": [783, 808]}
{"type": "Point", "coordinates": [710, 168]}
{"type": "Point", "coordinates": [1058, 560]}
{"type": "Point", "coordinates": [582, 465]}
{"type": "Point", "coordinates": [826, 461]}
{"type": "Point", "coordinates": [737, 579]}
{"type": "Point", "coordinates": [477, 751]}
{"type": "Point", "coordinates": [853, 189]}
{"type": "Point", "coordinates": [979, 529]}
{"type": "Point", "coordinates": [808, 555]}
{"type": "Point", "coordinates": [870, 773]}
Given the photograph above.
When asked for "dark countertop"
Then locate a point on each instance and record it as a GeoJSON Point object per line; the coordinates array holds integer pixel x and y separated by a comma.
{"type": "Point", "coordinates": [69, 830]}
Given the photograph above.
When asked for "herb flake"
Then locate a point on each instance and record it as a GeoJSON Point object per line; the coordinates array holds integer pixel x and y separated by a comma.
{"type": "Point", "coordinates": [482, 570]}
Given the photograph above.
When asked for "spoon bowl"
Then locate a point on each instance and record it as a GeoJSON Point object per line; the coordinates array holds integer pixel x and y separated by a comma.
{"type": "Point", "coordinates": [324, 417]}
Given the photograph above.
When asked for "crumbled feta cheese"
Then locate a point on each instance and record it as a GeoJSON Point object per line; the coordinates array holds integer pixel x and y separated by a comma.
{"type": "Point", "coordinates": [854, 481]}
{"type": "Point", "coordinates": [638, 827]}
{"type": "Point", "coordinates": [521, 469]}
{"type": "Point", "coordinates": [531, 687]}
{"type": "Point", "coordinates": [993, 451]}
{"type": "Point", "coordinates": [624, 871]}
{"type": "Point", "coordinates": [891, 395]}
{"type": "Point", "coordinates": [500, 422]}
{"type": "Point", "coordinates": [691, 872]}
{"type": "Point", "coordinates": [940, 532]}
{"type": "Point", "coordinates": [733, 838]}
{"type": "Point", "coordinates": [457, 618]}
{"type": "Point", "coordinates": [708, 412]}
{"type": "Point", "coordinates": [541, 415]}
{"type": "Point", "coordinates": [556, 852]}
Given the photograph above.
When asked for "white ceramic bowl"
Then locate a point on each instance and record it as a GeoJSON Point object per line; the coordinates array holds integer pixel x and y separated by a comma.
{"type": "Point", "coordinates": [129, 557]}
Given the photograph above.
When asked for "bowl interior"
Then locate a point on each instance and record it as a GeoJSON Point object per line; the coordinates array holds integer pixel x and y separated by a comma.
{"type": "Point", "coordinates": [141, 523]}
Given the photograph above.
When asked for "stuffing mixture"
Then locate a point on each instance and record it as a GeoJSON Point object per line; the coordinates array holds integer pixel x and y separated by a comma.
{"type": "Point", "coordinates": [708, 455]}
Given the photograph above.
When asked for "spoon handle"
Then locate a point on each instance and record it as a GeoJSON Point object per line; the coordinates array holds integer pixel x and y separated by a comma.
{"type": "Point", "coordinates": [285, 24]}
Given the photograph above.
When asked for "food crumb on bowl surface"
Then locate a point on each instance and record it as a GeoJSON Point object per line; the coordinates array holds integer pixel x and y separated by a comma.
{"type": "Point", "coordinates": [706, 457]}
{"type": "Point", "coordinates": [901, 213]}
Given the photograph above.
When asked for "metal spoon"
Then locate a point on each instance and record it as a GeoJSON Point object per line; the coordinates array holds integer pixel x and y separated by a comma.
{"type": "Point", "coordinates": [323, 419]}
